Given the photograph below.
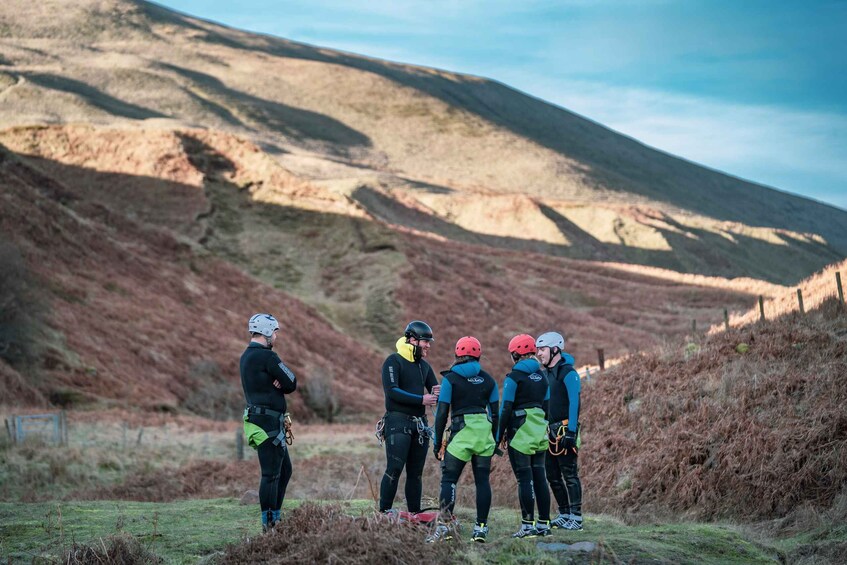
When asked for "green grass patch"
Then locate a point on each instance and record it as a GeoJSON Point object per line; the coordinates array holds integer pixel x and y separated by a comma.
{"type": "Point", "coordinates": [192, 530]}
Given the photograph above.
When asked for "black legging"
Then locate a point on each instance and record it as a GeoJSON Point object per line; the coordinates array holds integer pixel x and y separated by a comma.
{"type": "Point", "coordinates": [451, 470]}
{"type": "Point", "coordinates": [563, 475]}
{"type": "Point", "coordinates": [403, 450]}
{"type": "Point", "coordinates": [276, 472]}
{"type": "Point", "coordinates": [532, 484]}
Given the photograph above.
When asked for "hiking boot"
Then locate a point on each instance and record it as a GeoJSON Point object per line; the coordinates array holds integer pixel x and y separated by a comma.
{"type": "Point", "coordinates": [543, 528]}
{"type": "Point", "coordinates": [527, 531]}
{"type": "Point", "coordinates": [441, 533]}
{"type": "Point", "coordinates": [560, 521]}
{"type": "Point", "coordinates": [575, 525]}
{"type": "Point", "coordinates": [479, 532]}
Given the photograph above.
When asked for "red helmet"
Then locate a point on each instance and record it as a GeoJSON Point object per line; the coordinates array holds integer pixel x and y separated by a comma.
{"type": "Point", "coordinates": [468, 345]}
{"type": "Point", "coordinates": [522, 344]}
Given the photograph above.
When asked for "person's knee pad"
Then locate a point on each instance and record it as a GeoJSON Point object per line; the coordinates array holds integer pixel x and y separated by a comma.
{"type": "Point", "coordinates": [524, 474]}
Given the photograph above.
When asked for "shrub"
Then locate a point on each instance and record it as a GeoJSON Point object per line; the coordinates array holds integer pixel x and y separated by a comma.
{"type": "Point", "coordinates": [211, 395]}
{"type": "Point", "coordinates": [21, 310]}
{"type": "Point", "coordinates": [325, 534]}
{"type": "Point", "coordinates": [121, 549]}
{"type": "Point", "coordinates": [320, 397]}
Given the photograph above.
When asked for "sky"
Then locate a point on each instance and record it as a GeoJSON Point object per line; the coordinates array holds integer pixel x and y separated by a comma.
{"type": "Point", "coordinates": [754, 88]}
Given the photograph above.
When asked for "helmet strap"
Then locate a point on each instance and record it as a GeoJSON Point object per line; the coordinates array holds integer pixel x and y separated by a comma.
{"type": "Point", "coordinates": [553, 352]}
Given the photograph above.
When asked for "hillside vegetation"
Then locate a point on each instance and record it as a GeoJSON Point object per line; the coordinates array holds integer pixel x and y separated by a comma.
{"type": "Point", "coordinates": [462, 157]}
{"type": "Point", "coordinates": [747, 424]}
{"type": "Point", "coordinates": [190, 229]}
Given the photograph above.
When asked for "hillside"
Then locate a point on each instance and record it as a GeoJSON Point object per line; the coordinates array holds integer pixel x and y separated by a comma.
{"type": "Point", "coordinates": [214, 200]}
{"type": "Point", "coordinates": [136, 317]}
{"type": "Point", "coordinates": [158, 168]}
{"type": "Point", "coordinates": [462, 157]}
{"type": "Point", "coordinates": [746, 424]}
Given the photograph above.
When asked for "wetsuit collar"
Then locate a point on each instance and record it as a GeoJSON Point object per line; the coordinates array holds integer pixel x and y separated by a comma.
{"type": "Point", "coordinates": [468, 369]}
{"type": "Point", "coordinates": [406, 350]}
{"type": "Point", "coordinates": [527, 366]}
{"type": "Point", "coordinates": [257, 344]}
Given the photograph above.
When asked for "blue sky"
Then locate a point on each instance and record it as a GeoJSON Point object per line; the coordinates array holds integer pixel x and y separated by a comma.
{"type": "Point", "coordinates": [755, 88]}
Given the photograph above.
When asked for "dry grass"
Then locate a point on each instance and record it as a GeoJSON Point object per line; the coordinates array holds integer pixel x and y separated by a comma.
{"type": "Point", "coordinates": [116, 550]}
{"type": "Point", "coordinates": [327, 534]}
{"type": "Point", "coordinates": [714, 432]}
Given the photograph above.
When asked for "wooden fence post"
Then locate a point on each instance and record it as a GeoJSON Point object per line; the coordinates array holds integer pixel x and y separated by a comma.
{"type": "Point", "coordinates": [838, 284]}
{"type": "Point", "coordinates": [601, 358]}
{"type": "Point", "coordinates": [725, 319]}
{"type": "Point", "coordinates": [693, 326]}
{"type": "Point", "coordinates": [761, 308]}
{"type": "Point", "coordinates": [800, 301]}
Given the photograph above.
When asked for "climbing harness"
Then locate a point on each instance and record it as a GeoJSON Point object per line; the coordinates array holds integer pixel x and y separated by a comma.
{"type": "Point", "coordinates": [442, 450]}
{"type": "Point", "coordinates": [562, 427]}
{"type": "Point", "coordinates": [379, 431]}
{"type": "Point", "coordinates": [283, 433]}
{"type": "Point", "coordinates": [286, 424]}
{"type": "Point", "coordinates": [424, 432]}
{"type": "Point", "coordinates": [559, 436]}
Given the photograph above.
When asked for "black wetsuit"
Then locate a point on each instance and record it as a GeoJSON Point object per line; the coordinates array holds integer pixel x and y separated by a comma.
{"type": "Point", "coordinates": [260, 367]}
{"type": "Point", "coordinates": [404, 383]}
{"type": "Point", "coordinates": [523, 389]}
{"type": "Point", "coordinates": [469, 394]}
{"type": "Point", "coordinates": [562, 469]}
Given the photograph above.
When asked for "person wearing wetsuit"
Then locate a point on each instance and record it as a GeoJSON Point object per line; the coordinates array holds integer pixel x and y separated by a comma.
{"type": "Point", "coordinates": [471, 397]}
{"type": "Point", "coordinates": [410, 386]}
{"type": "Point", "coordinates": [523, 430]}
{"type": "Point", "coordinates": [266, 380]}
{"type": "Point", "coordinates": [561, 462]}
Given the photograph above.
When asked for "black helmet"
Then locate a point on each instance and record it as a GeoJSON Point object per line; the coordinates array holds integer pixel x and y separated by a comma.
{"type": "Point", "coordinates": [418, 330]}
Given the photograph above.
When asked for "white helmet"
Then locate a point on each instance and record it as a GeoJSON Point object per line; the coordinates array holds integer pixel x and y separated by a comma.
{"type": "Point", "coordinates": [551, 339]}
{"type": "Point", "coordinates": [264, 324]}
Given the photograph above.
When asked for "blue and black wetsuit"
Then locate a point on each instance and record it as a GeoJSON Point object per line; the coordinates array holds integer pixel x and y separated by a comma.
{"type": "Point", "coordinates": [523, 422]}
{"type": "Point", "coordinates": [404, 382]}
{"type": "Point", "coordinates": [562, 469]}
{"type": "Point", "coordinates": [260, 367]}
{"type": "Point", "coordinates": [472, 397]}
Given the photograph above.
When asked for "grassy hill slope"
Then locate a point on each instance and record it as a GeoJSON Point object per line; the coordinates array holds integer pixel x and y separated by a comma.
{"type": "Point", "coordinates": [456, 149]}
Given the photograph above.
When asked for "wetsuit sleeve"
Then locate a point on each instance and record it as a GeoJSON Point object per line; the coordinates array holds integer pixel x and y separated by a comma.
{"type": "Point", "coordinates": [493, 409]}
{"type": "Point", "coordinates": [509, 388]}
{"type": "Point", "coordinates": [545, 404]}
{"type": "Point", "coordinates": [391, 384]}
{"type": "Point", "coordinates": [573, 386]}
{"type": "Point", "coordinates": [431, 381]}
{"type": "Point", "coordinates": [444, 399]}
{"type": "Point", "coordinates": [277, 369]}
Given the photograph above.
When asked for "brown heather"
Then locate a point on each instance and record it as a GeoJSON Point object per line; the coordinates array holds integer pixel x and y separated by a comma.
{"type": "Point", "coordinates": [327, 534]}
{"type": "Point", "coordinates": [710, 432]}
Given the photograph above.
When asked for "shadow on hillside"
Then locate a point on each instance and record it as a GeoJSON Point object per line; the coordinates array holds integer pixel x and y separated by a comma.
{"type": "Point", "coordinates": [692, 250]}
{"type": "Point", "coordinates": [617, 162]}
{"type": "Point", "coordinates": [96, 98]}
{"type": "Point", "coordinates": [340, 251]}
{"type": "Point", "coordinates": [259, 113]}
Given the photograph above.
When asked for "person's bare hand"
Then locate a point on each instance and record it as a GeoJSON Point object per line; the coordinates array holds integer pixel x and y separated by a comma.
{"type": "Point", "coordinates": [436, 390]}
{"type": "Point", "coordinates": [277, 384]}
{"type": "Point", "coordinates": [430, 400]}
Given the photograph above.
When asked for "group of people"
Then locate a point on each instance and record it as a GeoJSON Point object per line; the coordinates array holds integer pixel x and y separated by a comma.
{"type": "Point", "coordinates": [536, 422]}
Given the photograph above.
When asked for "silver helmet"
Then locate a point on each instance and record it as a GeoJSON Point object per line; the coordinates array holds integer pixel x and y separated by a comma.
{"type": "Point", "coordinates": [263, 324]}
{"type": "Point", "coordinates": [551, 339]}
